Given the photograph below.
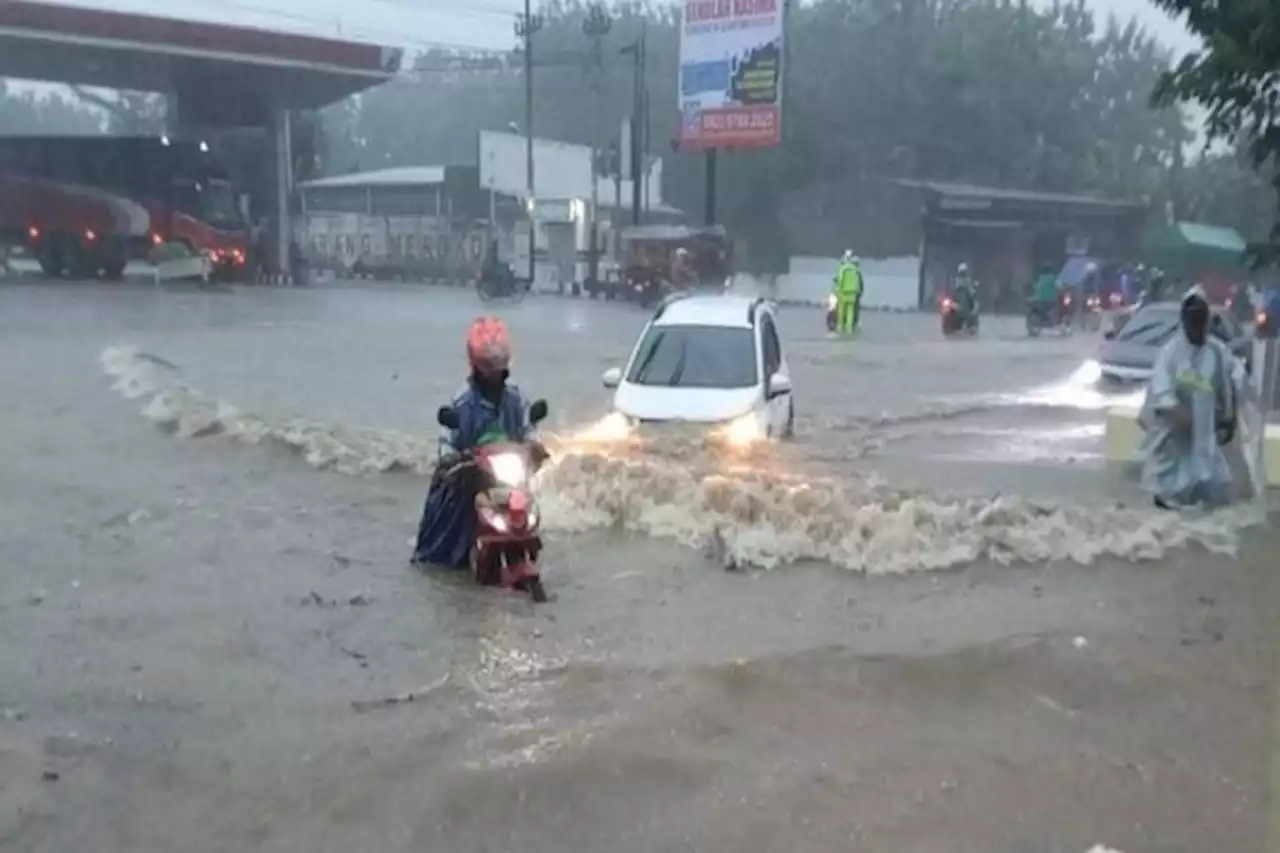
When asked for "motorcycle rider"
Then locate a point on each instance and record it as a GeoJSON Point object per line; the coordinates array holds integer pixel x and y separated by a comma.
{"type": "Point", "coordinates": [964, 290]}
{"type": "Point", "coordinates": [848, 292]}
{"type": "Point", "coordinates": [683, 275]}
{"type": "Point", "coordinates": [487, 405]}
{"type": "Point", "coordinates": [1044, 293]}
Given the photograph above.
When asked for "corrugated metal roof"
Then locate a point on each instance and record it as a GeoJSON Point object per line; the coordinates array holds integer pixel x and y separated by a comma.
{"type": "Point", "coordinates": [404, 176]}
{"type": "Point", "coordinates": [976, 192]}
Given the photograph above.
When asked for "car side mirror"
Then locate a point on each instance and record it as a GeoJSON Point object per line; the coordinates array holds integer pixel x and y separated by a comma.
{"type": "Point", "coordinates": [538, 411]}
{"type": "Point", "coordinates": [612, 377]}
{"type": "Point", "coordinates": [447, 417]}
{"type": "Point", "coordinates": [779, 384]}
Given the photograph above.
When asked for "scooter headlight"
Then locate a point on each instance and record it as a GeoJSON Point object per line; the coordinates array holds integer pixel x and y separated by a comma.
{"type": "Point", "coordinates": [831, 301]}
{"type": "Point", "coordinates": [509, 469]}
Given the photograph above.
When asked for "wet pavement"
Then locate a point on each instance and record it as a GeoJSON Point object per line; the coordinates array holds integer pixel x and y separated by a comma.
{"type": "Point", "coordinates": [196, 632]}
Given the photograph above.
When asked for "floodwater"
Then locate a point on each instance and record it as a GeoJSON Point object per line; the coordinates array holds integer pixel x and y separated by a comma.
{"type": "Point", "coordinates": [949, 627]}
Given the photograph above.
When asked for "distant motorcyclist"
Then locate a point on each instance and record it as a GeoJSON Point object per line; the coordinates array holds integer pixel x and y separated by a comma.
{"type": "Point", "coordinates": [486, 407]}
{"type": "Point", "coordinates": [964, 293]}
{"type": "Point", "coordinates": [1044, 292]}
{"type": "Point", "coordinates": [1091, 283]}
{"type": "Point", "coordinates": [848, 293]}
{"type": "Point", "coordinates": [683, 274]}
{"type": "Point", "coordinates": [964, 290]}
{"type": "Point", "coordinates": [1157, 287]}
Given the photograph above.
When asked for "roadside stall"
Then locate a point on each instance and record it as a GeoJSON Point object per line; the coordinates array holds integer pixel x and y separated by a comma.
{"type": "Point", "coordinates": [651, 268]}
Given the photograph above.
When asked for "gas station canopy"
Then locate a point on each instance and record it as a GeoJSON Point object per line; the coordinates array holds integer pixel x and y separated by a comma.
{"type": "Point", "coordinates": [225, 74]}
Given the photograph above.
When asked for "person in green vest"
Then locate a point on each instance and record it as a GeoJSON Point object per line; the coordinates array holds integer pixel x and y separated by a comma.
{"type": "Point", "coordinates": [848, 293]}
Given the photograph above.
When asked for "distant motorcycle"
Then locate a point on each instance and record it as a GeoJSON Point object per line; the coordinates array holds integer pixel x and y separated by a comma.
{"type": "Point", "coordinates": [1091, 314]}
{"type": "Point", "coordinates": [956, 318]}
{"type": "Point", "coordinates": [500, 282]}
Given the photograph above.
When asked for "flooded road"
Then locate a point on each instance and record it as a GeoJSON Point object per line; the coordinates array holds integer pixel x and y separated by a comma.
{"type": "Point", "coordinates": [205, 599]}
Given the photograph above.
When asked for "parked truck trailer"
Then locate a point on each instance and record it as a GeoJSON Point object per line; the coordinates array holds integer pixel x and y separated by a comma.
{"type": "Point", "coordinates": [85, 206]}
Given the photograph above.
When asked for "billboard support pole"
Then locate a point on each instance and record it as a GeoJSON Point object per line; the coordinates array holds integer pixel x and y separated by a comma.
{"type": "Point", "coordinates": [709, 202]}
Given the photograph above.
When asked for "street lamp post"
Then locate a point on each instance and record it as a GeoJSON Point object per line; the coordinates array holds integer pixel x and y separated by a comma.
{"type": "Point", "coordinates": [526, 25]}
{"type": "Point", "coordinates": [595, 27]}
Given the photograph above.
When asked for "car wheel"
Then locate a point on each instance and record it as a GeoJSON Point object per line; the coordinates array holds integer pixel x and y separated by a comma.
{"type": "Point", "coordinates": [789, 431]}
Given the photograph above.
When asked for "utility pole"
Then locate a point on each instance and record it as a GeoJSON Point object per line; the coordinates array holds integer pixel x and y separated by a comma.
{"type": "Point", "coordinates": [639, 133]}
{"type": "Point", "coordinates": [526, 26]}
{"type": "Point", "coordinates": [596, 27]}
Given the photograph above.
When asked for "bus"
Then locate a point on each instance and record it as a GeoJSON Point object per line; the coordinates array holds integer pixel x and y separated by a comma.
{"type": "Point", "coordinates": [84, 206]}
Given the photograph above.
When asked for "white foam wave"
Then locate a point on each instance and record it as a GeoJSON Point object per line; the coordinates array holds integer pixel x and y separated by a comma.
{"type": "Point", "coordinates": [171, 403]}
{"type": "Point", "coordinates": [756, 515]}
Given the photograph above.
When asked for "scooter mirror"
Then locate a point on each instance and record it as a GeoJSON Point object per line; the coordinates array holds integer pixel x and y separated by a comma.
{"type": "Point", "coordinates": [538, 411]}
{"type": "Point", "coordinates": [447, 417]}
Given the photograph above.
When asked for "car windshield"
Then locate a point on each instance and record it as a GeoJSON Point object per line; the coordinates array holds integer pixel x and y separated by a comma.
{"type": "Point", "coordinates": [218, 202]}
{"type": "Point", "coordinates": [695, 357]}
{"type": "Point", "coordinates": [1155, 327]}
{"type": "Point", "coordinates": [1152, 329]}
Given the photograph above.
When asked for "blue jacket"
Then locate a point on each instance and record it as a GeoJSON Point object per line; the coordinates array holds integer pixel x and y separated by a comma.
{"type": "Point", "coordinates": [448, 521]}
{"type": "Point", "coordinates": [477, 416]}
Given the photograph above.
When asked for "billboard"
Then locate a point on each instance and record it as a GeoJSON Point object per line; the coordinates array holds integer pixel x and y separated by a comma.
{"type": "Point", "coordinates": [731, 73]}
{"type": "Point", "coordinates": [561, 170]}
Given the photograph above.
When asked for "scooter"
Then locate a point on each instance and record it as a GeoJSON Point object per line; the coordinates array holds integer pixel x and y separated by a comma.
{"type": "Point", "coordinates": [1091, 316]}
{"type": "Point", "coordinates": [831, 312]}
{"type": "Point", "coordinates": [508, 539]}
{"type": "Point", "coordinates": [500, 283]}
{"type": "Point", "coordinates": [952, 321]}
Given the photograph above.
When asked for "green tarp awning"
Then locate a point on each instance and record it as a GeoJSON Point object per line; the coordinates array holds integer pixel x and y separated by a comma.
{"type": "Point", "coordinates": [1189, 247]}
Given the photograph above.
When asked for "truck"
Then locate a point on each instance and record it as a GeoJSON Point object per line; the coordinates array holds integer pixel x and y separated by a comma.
{"type": "Point", "coordinates": [85, 206]}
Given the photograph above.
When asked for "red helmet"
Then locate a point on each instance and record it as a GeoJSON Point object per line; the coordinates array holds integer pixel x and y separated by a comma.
{"type": "Point", "coordinates": [488, 346]}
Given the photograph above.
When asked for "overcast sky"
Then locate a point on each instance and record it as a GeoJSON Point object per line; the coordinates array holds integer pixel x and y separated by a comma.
{"type": "Point", "coordinates": [464, 23]}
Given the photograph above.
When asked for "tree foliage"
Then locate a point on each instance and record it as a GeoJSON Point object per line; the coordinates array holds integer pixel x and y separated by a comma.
{"type": "Point", "coordinates": [985, 91]}
{"type": "Point", "coordinates": [1235, 77]}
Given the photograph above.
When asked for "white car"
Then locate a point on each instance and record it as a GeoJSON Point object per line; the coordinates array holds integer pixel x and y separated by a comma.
{"type": "Point", "coordinates": [706, 359]}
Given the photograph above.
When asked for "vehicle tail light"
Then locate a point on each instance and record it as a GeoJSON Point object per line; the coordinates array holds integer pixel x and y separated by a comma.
{"type": "Point", "coordinates": [33, 233]}
{"type": "Point", "coordinates": [1115, 299]}
{"type": "Point", "coordinates": [90, 235]}
{"type": "Point", "coordinates": [1260, 319]}
{"type": "Point", "coordinates": [156, 239]}
{"type": "Point", "coordinates": [238, 256]}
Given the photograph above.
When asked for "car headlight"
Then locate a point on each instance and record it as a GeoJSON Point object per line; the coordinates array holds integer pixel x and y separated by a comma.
{"type": "Point", "coordinates": [614, 426]}
{"type": "Point", "coordinates": [508, 469]}
{"type": "Point", "coordinates": [1087, 373]}
{"type": "Point", "coordinates": [743, 431]}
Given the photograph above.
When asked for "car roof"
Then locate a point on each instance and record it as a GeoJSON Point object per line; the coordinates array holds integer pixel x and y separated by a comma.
{"type": "Point", "coordinates": [725, 311]}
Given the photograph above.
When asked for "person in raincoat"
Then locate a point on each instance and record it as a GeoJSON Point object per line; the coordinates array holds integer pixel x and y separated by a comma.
{"type": "Point", "coordinates": [1189, 413]}
{"type": "Point", "coordinates": [489, 409]}
{"type": "Point", "coordinates": [848, 293]}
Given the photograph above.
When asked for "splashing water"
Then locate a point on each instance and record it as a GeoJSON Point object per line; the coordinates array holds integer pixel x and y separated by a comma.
{"type": "Point", "coordinates": [756, 515]}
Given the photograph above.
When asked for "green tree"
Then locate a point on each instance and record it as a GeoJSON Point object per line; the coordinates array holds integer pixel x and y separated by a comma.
{"type": "Point", "coordinates": [1235, 77]}
{"type": "Point", "coordinates": [984, 91]}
